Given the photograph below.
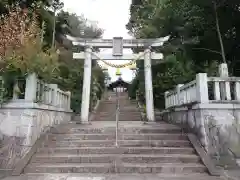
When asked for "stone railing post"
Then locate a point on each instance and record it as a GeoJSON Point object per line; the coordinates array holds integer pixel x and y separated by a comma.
{"type": "Point", "coordinates": [15, 91]}
{"type": "Point", "coordinates": [69, 100]}
{"type": "Point", "coordinates": [49, 94]}
{"type": "Point", "coordinates": [31, 87]}
{"type": "Point", "coordinates": [178, 88]}
{"type": "Point", "coordinates": [237, 90]}
{"type": "Point", "coordinates": [166, 99]}
{"type": "Point", "coordinates": [202, 88]}
{"type": "Point", "coordinates": [53, 94]}
{"type": "Point", "coordinates": [223, 70]}
{"type": "Point", "coordinates": [225, 92]}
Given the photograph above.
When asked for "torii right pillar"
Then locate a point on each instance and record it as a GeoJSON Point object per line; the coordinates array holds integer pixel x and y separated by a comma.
{"type": "Point", "coordinates": [148, 85]}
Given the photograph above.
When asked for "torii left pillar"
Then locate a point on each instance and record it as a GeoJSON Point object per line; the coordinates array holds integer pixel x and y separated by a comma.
{"type": "Point", "coordinates": [86, 85]}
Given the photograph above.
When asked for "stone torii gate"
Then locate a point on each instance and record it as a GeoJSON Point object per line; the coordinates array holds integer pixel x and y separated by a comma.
{"type": "Point", "coordinates": [117, 43]}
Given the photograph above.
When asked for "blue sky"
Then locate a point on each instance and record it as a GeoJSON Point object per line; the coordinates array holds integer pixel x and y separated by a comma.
{"type": "Point", "coordinates": [112, 16]}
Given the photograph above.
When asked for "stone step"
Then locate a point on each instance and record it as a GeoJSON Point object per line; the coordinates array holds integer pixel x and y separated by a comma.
{"type": "Point", "coordinates": [122, 109]}
{"type": "Point", "coordinates": [108, 104]}
{"type": "Point", "coordinates": [122, 176]}
{"type": "Point", "coordinates": [74, 137]}
{"type": "Point", "coordinates": [110, 100]}
{"type": "Point", "coordinates": [121, 116]}
{"type": "Point", "coordinates": [107, 108]}
{"type": "Point", "coordinates": [80, 143]}
{"type": "Point", "coordinates": [120, 150]}
{"type": "Point", "coordinates": [162, 168]}
{"type": "Point", "coordinates": [153, 136]}
{"type": "Point", "coordinates": [69, 168]}
{"type": "Point", "coordinates": [130, 114]}
{"type": "Point", "coordinates": [137, 130]}
{"type": "Point", "coordinates": [129, 117]}
{"type": "Point", "coordinates": [163, 136]}
{"type": "Point", "coordinates": [123, 104]}
{"type": "Point", "coordinates": [104, 105]}
{"type": "Point", "coordinates": [120, 119]}
{"type": "Point", "coordinates": [136, 112]}
{"type": "Point", "coordinates": [160, 129]}
{"type": "Point", "coordinates": [166, 158]}
{"type": "Point", "coordinates": [110, 158]}
{"type": "Point", "coordinates": [155, 143]}
{"type": "Point", "coordinates": [128, 143]}
{"type": "Point", "coordinates": [112, 168]}
{"type": "Point", "coordinates": [129, 111]}
{"type": "Point", "coordinates": [121, 113]}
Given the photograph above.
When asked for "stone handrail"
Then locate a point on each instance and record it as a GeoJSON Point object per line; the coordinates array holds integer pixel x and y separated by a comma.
{"type": "Point", "coordinates": [183, 94]}
{"type": "Point", "coordinates": [204, 90]}
{"type": "Point", "coordinates": [49, 94]}
{"type": "Point", "coordinates": [225, 89]}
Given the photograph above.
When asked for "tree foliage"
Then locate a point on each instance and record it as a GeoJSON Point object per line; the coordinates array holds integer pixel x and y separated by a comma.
{"type": "Point", "coordinates": [26, 35]}
{"type": "Point", "coordinates": [21, 46]}
{"type": "Point", "coordinates": [71, 70]}
{"type": "Point", "coordinates": [202, 35]}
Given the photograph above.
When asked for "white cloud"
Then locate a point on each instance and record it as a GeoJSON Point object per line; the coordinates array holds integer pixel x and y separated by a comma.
{"type": "Point", "coordinates": [111, 15]}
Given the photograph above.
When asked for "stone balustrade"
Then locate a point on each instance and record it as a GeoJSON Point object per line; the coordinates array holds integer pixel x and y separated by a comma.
{"type": "Point", "coordinates": [205, 90]}
{"type": "Point", "coordinates": [183, 94]}
{"type": "Point", "coordinates": [210, 108]}
{"type": "Point", "coordinates": [48, 94]}
{"type": "Point", "coordinates": [23, 121]}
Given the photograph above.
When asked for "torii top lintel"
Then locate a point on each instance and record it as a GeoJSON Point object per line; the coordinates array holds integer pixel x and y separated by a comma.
{"type": "Point", "coordinates": [126, 43]}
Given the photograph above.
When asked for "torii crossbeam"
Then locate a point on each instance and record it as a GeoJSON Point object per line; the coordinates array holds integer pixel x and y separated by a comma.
{"type": "Point", "coordinates": [117, 43]}
{"type": "Point", "coordinates": [98, 56]}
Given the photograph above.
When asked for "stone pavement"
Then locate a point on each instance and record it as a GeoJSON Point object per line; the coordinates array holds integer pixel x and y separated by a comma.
{"type": "Point", "coordinates": [113, 177]}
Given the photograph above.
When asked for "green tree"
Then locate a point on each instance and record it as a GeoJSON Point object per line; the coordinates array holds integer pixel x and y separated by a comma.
{"type": "Point", "coordinates": [203, 34]}
{"type": "Point", "coordinates": [71, 70]}
{"type": "Point", "coordinates": [21, 50]}
{"type": "Point", "coordinates": [37, 55]}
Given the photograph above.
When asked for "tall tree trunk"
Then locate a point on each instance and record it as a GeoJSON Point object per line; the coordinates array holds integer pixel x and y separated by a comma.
{"type": "Point", "coordinates": [219, 33]}
{"type": "Point", "coordinates": [54, 29]}
{"type": "Point", "coordinates": [42, 32]}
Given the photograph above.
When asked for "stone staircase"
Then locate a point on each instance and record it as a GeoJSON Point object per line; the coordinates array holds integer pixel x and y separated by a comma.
{"type": "Point", "coordinates": [155, 148]}
{"type": "Point", "coordinates": [147, 149]}
{"type": "Point", "coordinates": [107, 108]}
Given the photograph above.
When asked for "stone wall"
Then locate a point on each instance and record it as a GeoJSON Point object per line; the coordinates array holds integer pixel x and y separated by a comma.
{"type": "Point", "coordinates": [21, 124]}
{"type": "Point", "coordinates": [216, 125]}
